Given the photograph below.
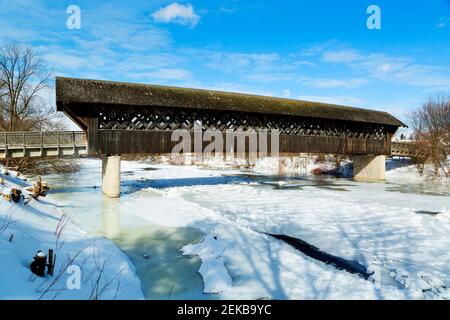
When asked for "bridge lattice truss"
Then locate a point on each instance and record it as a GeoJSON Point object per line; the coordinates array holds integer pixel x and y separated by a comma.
{"type": "Point", "coordinates": [169, 119]}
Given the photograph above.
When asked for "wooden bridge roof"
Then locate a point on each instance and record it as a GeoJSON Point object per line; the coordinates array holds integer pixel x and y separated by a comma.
{"type": "Point", "coordinates": [71, 91]}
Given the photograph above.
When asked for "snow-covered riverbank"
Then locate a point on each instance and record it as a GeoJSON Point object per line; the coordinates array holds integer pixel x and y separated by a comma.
{"type": "Point", "coordinates": [106, 273]}
{"type": "Point", "coordinates": [398, 232]}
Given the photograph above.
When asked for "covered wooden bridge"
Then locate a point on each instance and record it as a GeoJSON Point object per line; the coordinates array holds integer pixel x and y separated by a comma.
{"type": "Point", "coordinates": [124, 118]}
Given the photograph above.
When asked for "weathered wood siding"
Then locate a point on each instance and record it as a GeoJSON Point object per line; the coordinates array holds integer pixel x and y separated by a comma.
{"type": "Point", "coordinates": [158, 142]}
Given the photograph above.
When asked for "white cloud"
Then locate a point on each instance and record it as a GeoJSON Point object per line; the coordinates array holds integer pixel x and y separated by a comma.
{"type": "Point", "coordinates": [385, 68]}
{"type": "Point", "coordinates": [340, 100]}
{"type": "Point", "coordinates": [333, 83]}
{"type": "Point", "coordinates": [320, 47]}
{"type": "Point", "coordinates": [177, 13]}
{"type": "Point", "coordinates": [391, 69]}
{"type": "Point", "coordinates": [225, 9]}
{"type": "Point", "coordinates": [134, 36]}
{"type": "Point", "coordinates": [268, 77]}
{"type": "Point", "coordinates": [63, 60]}
{"type": "Point", "coordinates": [286, 93]}
{"type": "Point", "coordinates": [237, 87]}
{"type": "Point", "coordinates": [341, 56]}
{"type": "Point", "coordinates": [255, 67]}
{"type": "Point", "coordinates": [235, 61]}
{"type": "Point", "coordinates": [161, 75]}
{"type": "Point", "coordinates": [443, 22]}
{"type": "Point", "coordinates": [171, 74]}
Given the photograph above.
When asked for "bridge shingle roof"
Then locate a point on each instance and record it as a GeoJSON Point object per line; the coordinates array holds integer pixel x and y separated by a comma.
{"type": "Point", "coordinates": [82, 91]}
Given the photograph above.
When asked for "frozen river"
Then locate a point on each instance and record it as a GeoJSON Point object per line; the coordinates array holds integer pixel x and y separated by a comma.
{"type": "Point", "coordinates": [399, 231]}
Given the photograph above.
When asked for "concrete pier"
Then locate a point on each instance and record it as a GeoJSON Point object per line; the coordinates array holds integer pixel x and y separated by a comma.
{"type": "Point", "coordinates": [111, 176]}
{"type": "Point", "coordinates": [369, 168]}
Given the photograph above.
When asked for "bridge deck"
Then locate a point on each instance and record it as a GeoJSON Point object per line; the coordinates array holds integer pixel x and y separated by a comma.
{"type": "Point", "coordinates": [42, 144]}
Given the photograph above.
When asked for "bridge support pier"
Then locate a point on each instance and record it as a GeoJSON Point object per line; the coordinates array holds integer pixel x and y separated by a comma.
{"type": "Point", "coordinates": [369, 168]}
{"type": "Point", "coordinates": [111, 176]}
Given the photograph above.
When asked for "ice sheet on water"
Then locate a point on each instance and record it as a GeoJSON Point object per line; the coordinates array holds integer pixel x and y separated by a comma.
{"type": "Point", "coordinates": [213, 270]}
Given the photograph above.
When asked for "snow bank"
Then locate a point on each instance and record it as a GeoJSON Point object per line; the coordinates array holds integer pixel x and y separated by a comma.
{"type": "Point", "coordinates": [404, 171]}
{"type": "Point", "coordinates": [106, 273]}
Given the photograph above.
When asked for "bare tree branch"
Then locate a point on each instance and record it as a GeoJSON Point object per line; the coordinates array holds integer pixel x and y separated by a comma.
{"type": "Point", "coordinates": [431, 127]}
{"type": "Point", "coordinates": [23, 77]}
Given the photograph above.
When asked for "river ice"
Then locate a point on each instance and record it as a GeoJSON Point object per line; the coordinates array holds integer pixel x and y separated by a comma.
{"type": "Point", "coordinates": [380, 225]}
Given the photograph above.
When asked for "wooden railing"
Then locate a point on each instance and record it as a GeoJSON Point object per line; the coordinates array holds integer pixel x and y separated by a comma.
{"type": "Point", "coordinates": [42, 144]}
{"type": "Point", "coordinates": [403, 149]}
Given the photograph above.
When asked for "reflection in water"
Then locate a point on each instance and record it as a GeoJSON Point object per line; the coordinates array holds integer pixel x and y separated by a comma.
{"type": "Point", "coordinates": [155, 252]}
{"type": "Point", "coordinates": [434, 189]}
{"type": "Point", "coordinates": [110, 217]}
{"type": "Point", "coordinates": [164, 272]}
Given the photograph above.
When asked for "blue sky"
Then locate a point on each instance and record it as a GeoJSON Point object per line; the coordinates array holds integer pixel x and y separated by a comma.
{"type": "Point", "coordinates": [313, 50]}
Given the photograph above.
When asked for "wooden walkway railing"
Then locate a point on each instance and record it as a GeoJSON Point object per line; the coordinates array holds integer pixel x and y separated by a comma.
{"type": "Point", "coordinates": [42, 144]}
{"type": "Point", "coordinates": [403, 149]}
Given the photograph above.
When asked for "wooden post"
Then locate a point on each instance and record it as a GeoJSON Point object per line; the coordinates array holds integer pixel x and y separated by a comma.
{"type": "Point", "coordinates": [74, 144]}
{"type": "Point", "coordinates": [58, 150]}
{"type": "Point", "coordinates": [51, 262]}
{"type": "Point", "coordinates": [42, 144]}
{"type": "Point", "coordinates": [6, 147]}
{"type": "Point", "coordinates": [93, 136]}
{"type": "Point", "coordinates": [24, 146]}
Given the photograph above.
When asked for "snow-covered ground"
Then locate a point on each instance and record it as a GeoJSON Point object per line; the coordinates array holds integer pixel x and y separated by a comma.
{"type": "Point", "coordinates": [26, 227]}
{"type": "Point", "coordinates": [382, 229]}
{"type": "Point", "coordinates": [398, 232]}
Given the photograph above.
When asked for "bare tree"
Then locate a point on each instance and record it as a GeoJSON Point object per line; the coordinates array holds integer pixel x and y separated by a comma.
{"type": "Point", "coordinates": [431, 126]}
{"type": "Point", "coordinates": [23, 77]}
